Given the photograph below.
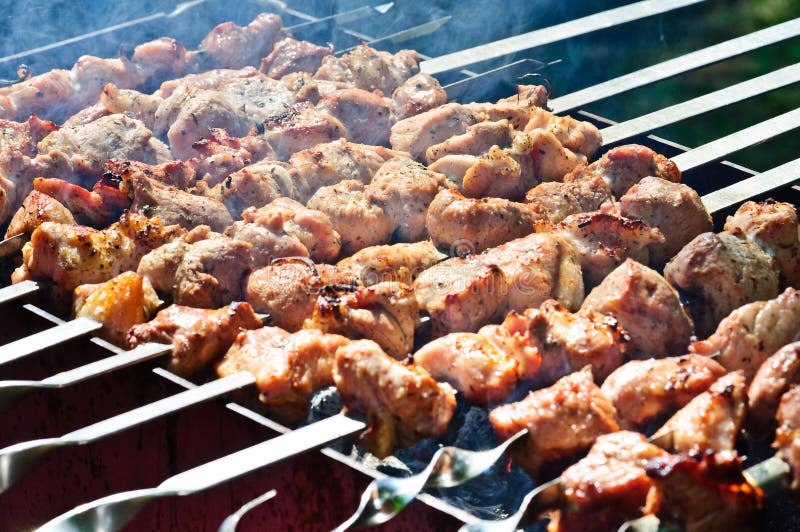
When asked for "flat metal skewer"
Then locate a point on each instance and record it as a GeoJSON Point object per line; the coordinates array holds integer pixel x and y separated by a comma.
{"type": "Point", "coordinates": [16, 291]}
{"type": "Point", "coordinates": [230, 522]}
{"type": "Point", "coordinates": [47, 338]}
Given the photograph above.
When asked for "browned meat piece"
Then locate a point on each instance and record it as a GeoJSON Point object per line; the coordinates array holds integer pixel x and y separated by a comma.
{"type": "Point", "coordinates": [673, 208]}
{"type": "Point", "coordinates": [290, 55]}
{"type": "Point", "coordinates": [69, 255]}
{"type": "Point", "coordinates": [644, 391]}
{"type": "Point", "coordinates": [646, 306]}
{"type": "Point", "coordinates": [773, 226]}
{"type": "Point", "coordinates": [175, 173]}
{"type": "Point", "coordinates": [403, 402]}
{"type": "Point", "coordinates": [119, 304]}
{"type": "Point", "coordinates": [712, 420]}
{"type": "Point", "coordinates": [753, 332]}
{"type": "Point", "coordinates": [400, 263]}
{"type": "Point", "coordinates": [554, 200]}
{"type": "Point", "coordinates": [543, 157]}
{"type": "Point", "coordinates": [705, 493]}
{"type": "Point", "coordinates": [308, 89]}
{"type": "Point", "coordinates": [215, 78]}
{"type": "Point", "coordinates": [720, 273]}
{"type": "Point", "coordinates": [607, 487]}
{"type": "Point", "coordinates": [419, 93]}
{"type": "Point", "coordinates": [787, 437]}
{"type": "Point", "coordinates": [517, 109]}
{"type": "Point", "coordinates": [98, 208]}
{"type": "Point", "coordinates": [332, 162]}
{"type": "Point", "coordinates": [299, 127]}
{"type": "Point", "coordinates": [776, 375]}
{"type": "Point", "coordinates": [114, 100]}
{"type": "Point", "coordinates": [563, 420]}
{"type": "Point", "coordinates": [370, 69]}
{"type": "Point", "coordinates": [367, 117]}
{"type": "Point", "coordinates": [232, 46]}
{"type": "Point", "coordinates": [385, 313]}
{"type": "Point", "coordinates": [256, 185]}
{"type": "Point", "coordinates": [355, 215]}
{"type": "Point", "coordinates": [212, 273]}
{"type": "Point", "coordinates": [36, 209]}
{"type": "Point", "coordinates": [287, 289]}
{"type": "Point", "coordinates": [604, 241]}
{"type": "Point", "coordinates": [160, 265]}
{"type": "Point", "coordinates": [220, 155]}
{"type": "Point", "coordinates": [624, 166]}
{"type": "Point", "coordinates": [24, 136]}
{"type": "Point", "coordinates": [198, 336]}
{"type": "Point", "coordinates": [466, 225]}
{"type": "Point", "coordinates": [472, 364]}
{"type": "Point", "coordinates": [577, 136]}
{"type": "Point", "coordinates": [460, 294]}
{"type": "Point", "coordinates": [476, 140]}
{"type": "Point", "coordinates": [288, 367]}
{"type": "Point", "coordinates": [550, 342]}
{"type": "Point", "coordinates": [417, 133]}
{"type": "Point", "coordinates": [174, 206]}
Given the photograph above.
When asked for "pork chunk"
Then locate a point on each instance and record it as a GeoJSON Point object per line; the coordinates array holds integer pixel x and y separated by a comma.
{"type": "Point", "coordinates": [775, 377]}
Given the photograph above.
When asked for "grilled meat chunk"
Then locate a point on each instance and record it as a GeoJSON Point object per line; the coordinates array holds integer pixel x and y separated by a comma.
{"type": "Point", "coordinates": [212, 272]}
{"type": "Point", "coordinates": [644, 391]}
{"type": "Point", "coordinates": [608, 486]}
{"type": "Point", "coordinates": [119, 304]}
{"type": "Point", "coordinates": [403, 402]}
{"type": "Point", "coordinates": [160, 265]}
{"type": "Point", "coordinates": [563, 420]}
{"type": "Point", "coordinates": [24, 136]}
{"type": "Point", "coordinates": [472, 364]}
{"type": "Point", "coordinates": [99, 207]}
{"type": "Point", "coordinates": [721, 273]}
{"type": "Point", "coordinates": [215, 78]}
{"type": "Point", "coordinates": [198, 336]}
{"type": "Point", "coordinates": [646, 306]}
{"type": "Point", "coordinates": [178, 174]}
{"type": "Point", "coordinates": [419, 93]}
{"type": "Point", "coordinates": [255, 186]}
{"type": "Point", "coordinates": [288, 288]}
{"type": "Point", "coordinates": [550, 342]}
{"type": "Point", "coordinates": [577, 136]}
{"type": "Point", "coordinates": [400, 263]}
{"type": "Point", "coordinates": [753, 332]}
{"type": "Point", "coordinates": [69, 255]}
{"type": "Point", "coordinates": [517, 108]}
{"type": "Point", "coordinates": [369, 69]}
{"type": "Point", "coordinates": [367, 116]}
{"type": "Point", "coordinates": [385, 313]}
{"type": "Point", "coordinates": [288, 367]}
{"type": "Point", "coordinates": [476, 140]}
{"type": "Point", "coordinates": [299, 127]}
{"type": "Point", "coordinates": [290, 55]}
{"type": "Point", "coordinates": [220, 155]}
{"type": "Point", "coordinates": [773, 226]}
{"type": "Point", "coordinates": [776, 375]}
{"type": "Point", "coordinates": [285, 228]}
{"type": "Point", "coordinates": [787, 437]}
{"type": "Point", "coordinates": [36, 209]}
{"type": "Point", "coordinates": [554, 200]}
{"type": "Point", "coordinates": [624, 166]}
{"type": "Point", "coordinates": [419, 132]}
{"type": "Point", "coordinates": [229, 45]}
{"type": "Point", "coordinates": [465, 225]}
{"type": "Point", "coordinates": [712, 420]}
{"type": "Point", "coordinates": [673, 208]}
{"type": "Point", "coordinates": [705, 493]}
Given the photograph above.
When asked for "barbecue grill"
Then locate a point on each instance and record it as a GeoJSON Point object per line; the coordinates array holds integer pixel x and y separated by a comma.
{"type": "Point", "coordinates": [479, 56]}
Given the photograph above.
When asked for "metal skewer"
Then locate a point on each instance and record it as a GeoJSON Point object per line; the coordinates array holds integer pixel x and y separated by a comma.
{"type": "Point", "coordinates": [230, 522]}
{"type": "Point", "coordinates": [47, 338]}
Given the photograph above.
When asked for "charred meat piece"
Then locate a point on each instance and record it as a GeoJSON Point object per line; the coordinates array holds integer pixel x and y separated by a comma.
{"type": "Point", "coordinates": [367, 117]}
{"type": "Point", "coordinates": [712, 420]}
{"type": "Point", "coordinates": [419, 93]}
{"type": "Point", "coordinates": [644, 391]}
{"type": "Point", "coordinates": [384, 312]}
{"type": "Point", "coordinates": [69, 255]}
{"type": "Point", "coordinates": [301, 126]}
{"type": "Point", "coordinates": [403, 402]}
{"type": "Point", "coordinates": [472, 364]}
{"type": "Point", "coordinates": [554, 200]}
{"type": "Point", "coordinates": [719, 273]}
{"type": "Point", "coordinates": [624, 166]}
{"type": "Point", "coordinates": [288, 367]}
{"type": "Point", "coordinates": [256, 185]}
{"type": "Point", "coordinates": [646, 306]}
{"type": "Point", "coordinates": [175, 173]}
{"type": "Point", "coordinates": [198, 336]}
{"type": "Point", "coordinates": [419, 132]}
{"type": "Point", "coordinates": [577, 136]}
{"type": "Point", "coordinates": [673, 208]}
{"type": "Point", "coordinates": [550, 342]}
{"type": "Point", "coordinates": [119, 304]}
{"type": "Point", "coordinates": [773, 226]}
{"type": "Point", "coordinates": [776, 375]}
{"type": "Point", "coordinates": [563, 420]}
{"type": "Point", "coordinates": [400, 263]}
{"type": "Point", "coordinates": [99, 207]}
{"type": "Point", "coordinates": [608, 486]}
{"type": "Point", "coordinates": [753, 332]}
{"type": "Point", "coordinates": [36, 209]}
{"type": "Point", "coordinates": [290, 55]}
{"type": "Point", "coordinates": [229, 45]}
{"type": "Point", "coordinates": [787, 437]}
{"type": "Point", "coordinates": [287, 289]}
{"type": "Point", "coordinates": [702, 493]}
{"type": "Point", "coordinates": [369, 69]}
{"type": "Point", "coordinates": [285, 228]}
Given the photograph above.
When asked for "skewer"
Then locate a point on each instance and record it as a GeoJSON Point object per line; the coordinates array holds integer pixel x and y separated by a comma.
{"type": "Point", "coordinates": [17, 459]}
{"type": "Point", "coordinates": [16, 291]}
{"type": "Point", "coordinates": [47, 338]}
{"type": "Point", "coordinates": [114, 511]}
{"type": "Point", "coordinates": [230, 522]}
